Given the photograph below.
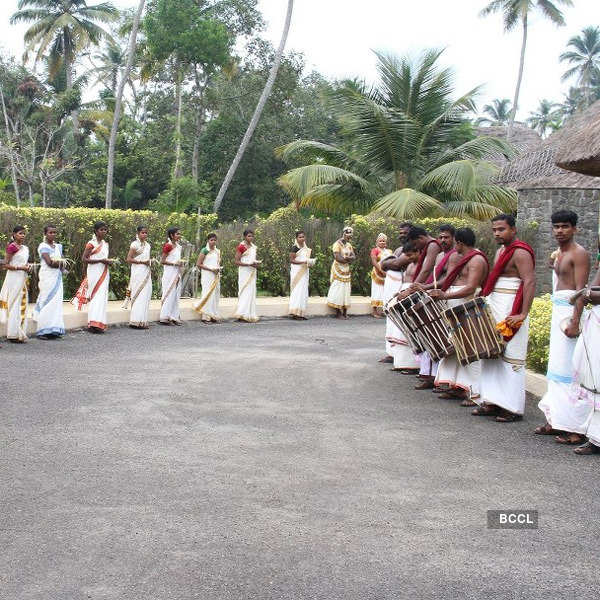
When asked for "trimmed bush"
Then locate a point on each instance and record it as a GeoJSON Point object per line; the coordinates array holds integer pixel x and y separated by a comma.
{"type": "Point", "coordinates": [540, 318]}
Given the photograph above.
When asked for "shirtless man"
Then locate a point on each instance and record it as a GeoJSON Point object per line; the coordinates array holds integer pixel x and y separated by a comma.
{"type": "Point", "coordinates": [510, 289]}
{"type": "Point", "coordinates": [393, 266]}
{"type": "Point", "coordinates": [430, 249]}
{"type": "Point", "coordinates": [565, 417]}
{"type": "Point", "coordinates": [405, 360]}
{"type": "Point", "coordinates": [466, 272]}
{"type": "Point", "coordinates": [446, 239]}
{"type": "Point", "coordinates": [586, 359]}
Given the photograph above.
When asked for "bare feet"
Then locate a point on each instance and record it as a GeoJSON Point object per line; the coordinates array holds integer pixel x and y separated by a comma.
{"type": "Point", "coordinates": [587, 449]}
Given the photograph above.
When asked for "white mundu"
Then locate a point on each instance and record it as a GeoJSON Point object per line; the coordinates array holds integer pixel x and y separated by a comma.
{"type": "Point", "coordinates": [502, 379]}
{"type": "Point", "coordinates": [562, 410]}
{"type": "Point", "coordinates": [450, 371]}
{"type": "Point", "coordinates": [93, 291]}
{"type": "Point", "coordinates": [13, 297]}
{"type": "Point", "coordinates": [586, 372]}
{"type": "Point", "coordinates": [48, 311]}
{"type": "Point", "coordinates": [140, 285]}
{"type": "Point", "coordinates": [299, 276]}
{"type": "Point", "coordinates": [246, 308]}
{"type": "Point", "coordinates": [171, 283]}
{"type": "Point", "coordinates": [340, 278]}
{"type": "Point", "coordinates": [208, 304]}
{"type": "Point", "coordinates": [392, 285]}
{"type": "Point", "coordinates": [404, 357]}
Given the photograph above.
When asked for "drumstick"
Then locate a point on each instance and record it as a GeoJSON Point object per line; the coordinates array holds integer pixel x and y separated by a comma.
{"type": "Point", "coordinates": [434, 278]}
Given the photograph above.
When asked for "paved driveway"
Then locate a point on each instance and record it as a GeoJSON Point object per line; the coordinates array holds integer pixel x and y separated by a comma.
{"type": "Point", "coordinates": [271, 461]}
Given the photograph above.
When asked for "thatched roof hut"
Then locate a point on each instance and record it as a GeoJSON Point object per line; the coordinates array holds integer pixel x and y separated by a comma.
{"type": "Point", "coordinates": [579, 148]}
{"type": "Point", "coordinates": [536, 168]}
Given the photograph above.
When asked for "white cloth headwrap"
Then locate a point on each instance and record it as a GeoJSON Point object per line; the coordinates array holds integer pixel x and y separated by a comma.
{"type": "Point", "coordinates": [382, 236]}
{"type": "Point", "coordinates": [348, 230]}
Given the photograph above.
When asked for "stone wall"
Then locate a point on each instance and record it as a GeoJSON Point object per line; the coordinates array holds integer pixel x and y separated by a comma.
{"type": "Point", "coordinates": [535, 208]}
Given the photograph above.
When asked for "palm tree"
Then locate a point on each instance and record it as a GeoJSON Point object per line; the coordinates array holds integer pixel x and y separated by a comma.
{"type": "Point", "coordinates": [259, 108]}
{"type": "Point", "coordinates": [547, 116]}
{"type": "Point", "coordinates": [585, 60]}
{"type": "Point", "coordinates": [108, 65]}
{"type": "Point", "coordinates": [515, 12]}
{"type": "Point", "coordinates": [63, 28]}
{"type": "Point", "coordinates": [403, 152]}
{"type": "Point", "coordinates": [118, 102]}
{"type": "Point", "coordinates": [498, 112]}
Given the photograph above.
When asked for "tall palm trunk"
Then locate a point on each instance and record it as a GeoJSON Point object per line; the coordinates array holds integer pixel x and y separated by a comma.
{"type": "Point", "coordinates": [259, 108]}
{"type": "Point", "coordinates": [177, 169]}
{"type": "Point", "coordinates": [13, 168]}
{"type": "Point", "coordinates": [118, 103]}
{"type": "Point", "coordinates": [513, 112]}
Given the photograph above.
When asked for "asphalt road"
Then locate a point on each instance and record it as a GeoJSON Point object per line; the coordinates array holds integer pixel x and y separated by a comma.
{"type": "Point", "coordinates": [271, 461]}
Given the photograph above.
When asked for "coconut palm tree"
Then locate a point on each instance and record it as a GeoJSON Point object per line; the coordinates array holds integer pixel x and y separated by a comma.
{"type": "Point", "coordinates": [547, 116]}
{"type": "Point", "coordinates": [118, 102]}
{"type": "Point", "coordinates": [107, 66]}
{"type": "Point", "coordinates": [515, 12]}
{"type": "Point", "coordinates": [259, 108]}
{"type": "Point", "coordinates": [403, 153]}
{"type": "Point", "coordinates": [63, 28]}
{"type": "Point", "coordinates": [498, 112]}
{"type": "Point", "coordinates": [584, 58]}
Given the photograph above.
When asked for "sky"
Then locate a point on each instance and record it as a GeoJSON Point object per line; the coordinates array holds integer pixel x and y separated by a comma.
{"type": "Point", "coordinates": [338, 38]}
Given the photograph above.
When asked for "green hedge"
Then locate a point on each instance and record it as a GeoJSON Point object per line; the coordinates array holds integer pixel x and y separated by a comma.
{"type": "Point", "coordinates": [540, 318]}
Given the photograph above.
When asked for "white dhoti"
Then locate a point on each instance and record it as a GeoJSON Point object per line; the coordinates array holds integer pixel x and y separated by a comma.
{"type": "Point", "coordinates": [586, 372]}
{"type": "Point", "coordinates": [404, 357]}
{"type": "Point", "coordinates": [502, 379]}
{"type": "Point", "coordinates": [563, 409]}
{"type": "Point", "coordinates": [208, 305]}
{"type": "Point", "coordinates": [451, 372]}
{"type": "Point", "coordinates": [48, 311]}
{"type": "Point", "coordinates": [393, 282]}
{"type": "Point", "coordinates": [246, 308]}
{"type": "Point", "coordinates": [14, 298]}
{"type": "Point", "coordinates": [299, 278]}
{"type": "Point", "coordinates": [427, 367]}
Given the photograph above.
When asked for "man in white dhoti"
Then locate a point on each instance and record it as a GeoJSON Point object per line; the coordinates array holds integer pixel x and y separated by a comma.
{"type": "Point", "coordinates": [510, 289]}
{"type": "Point", "coordinates": [466, 272]}
{"type": "Point", "coordinates": [405, 360]}
{"type": "Point", "coordinates": [586, 369]}
{"type": "Point", "coordinates": [245, 259]}
{"type": "Point", "coordinates": [48, 311]}
{"type": "Point", "coordinates": [378, 255]}
{"type": "Point", "coordinates": [300, 263]}
{"type": "Point", "coordinates": [13, 295]}
{"type": "Point", "coordinates": [209, 263]}
{"type": "Point", "coordinates": [93, 291]}
{"type": "Point", "coordinates": [393, 266]}
{"type": "Point", "coordinates": [430, 249]}
{"type": "Point", "coordinates": [139, 291]}
{"type": "Point", "coordinates": [340, 277]}
{"type": "Point", "coordinates": [171, 278]}
{"type": "Point", "coordinates": [572, 269]}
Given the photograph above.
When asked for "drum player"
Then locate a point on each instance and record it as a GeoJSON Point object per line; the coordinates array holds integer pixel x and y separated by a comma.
{"type": "Point", "coordinates": [510, 289]}
{"type": "Point", "coordinates": [466, 272]}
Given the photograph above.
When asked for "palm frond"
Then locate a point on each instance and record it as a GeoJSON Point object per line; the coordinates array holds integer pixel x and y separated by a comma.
{"type": "Point", "coordinates": [406, 204]}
